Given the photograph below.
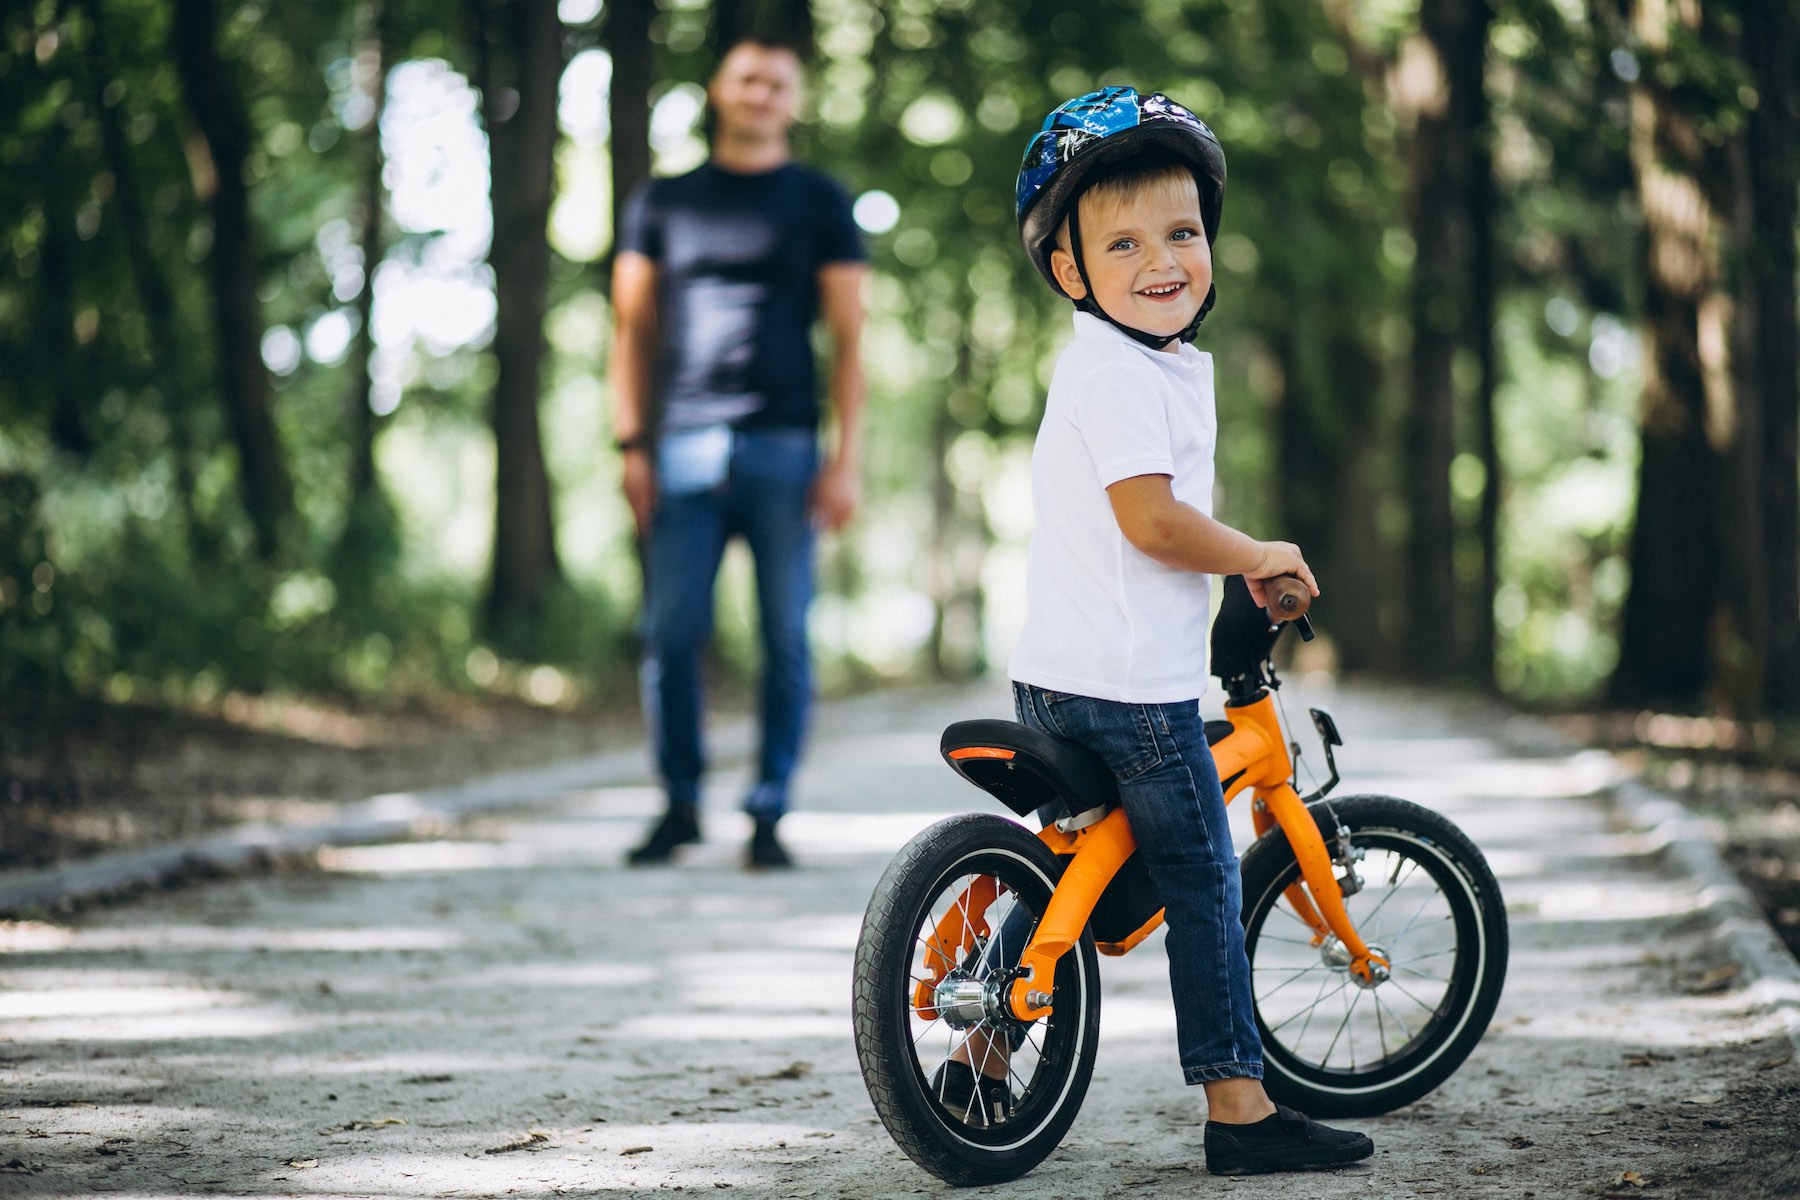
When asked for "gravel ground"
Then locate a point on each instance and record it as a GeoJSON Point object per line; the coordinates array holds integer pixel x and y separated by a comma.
{"type": "Point", "coordinates": [505, 1011]}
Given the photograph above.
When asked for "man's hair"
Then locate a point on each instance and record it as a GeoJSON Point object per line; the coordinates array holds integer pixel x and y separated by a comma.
{"type": "Point", "coordinates": [1126, 181]}
{"type": "Point", "coordinates": [762, 41]}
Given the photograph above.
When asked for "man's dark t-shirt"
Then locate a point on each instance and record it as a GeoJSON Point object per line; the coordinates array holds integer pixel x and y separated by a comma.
{"type": "Point", "coordinates": [737, 290]}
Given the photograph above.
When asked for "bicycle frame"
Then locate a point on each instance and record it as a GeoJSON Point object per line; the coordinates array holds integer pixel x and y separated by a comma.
{"type": "Point", "coordinates": [1253, 756]}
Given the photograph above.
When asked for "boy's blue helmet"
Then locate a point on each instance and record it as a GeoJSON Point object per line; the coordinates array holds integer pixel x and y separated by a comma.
{"type": "Point", "coordinates": [1090, 133]}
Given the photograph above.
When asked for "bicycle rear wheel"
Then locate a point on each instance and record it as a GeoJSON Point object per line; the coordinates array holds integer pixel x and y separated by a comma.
{"type": "Point", "coordinates": [921, 997]}
{"type": "Point", "coordinates": [1334, 1046]}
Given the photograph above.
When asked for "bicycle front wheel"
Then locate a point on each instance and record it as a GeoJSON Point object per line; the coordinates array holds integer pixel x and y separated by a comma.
{"type": "Point", "coordinates": [1335, 1045]}
{"type": "Point", "coordinates": [943, 932]}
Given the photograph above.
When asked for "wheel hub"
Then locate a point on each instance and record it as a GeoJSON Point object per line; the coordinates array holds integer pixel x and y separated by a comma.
{"type": "Point", "coordinates": [963, 1000]}
{"type": "Point", "coordinates": [1334, 954]}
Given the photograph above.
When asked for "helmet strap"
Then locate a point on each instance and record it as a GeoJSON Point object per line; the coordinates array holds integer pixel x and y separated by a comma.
{"type": "Point", "coordinates": [1087, 304]}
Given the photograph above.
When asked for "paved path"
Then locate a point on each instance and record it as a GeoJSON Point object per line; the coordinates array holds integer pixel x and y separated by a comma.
{"type": "Point", "coordinates": [504, 1011]}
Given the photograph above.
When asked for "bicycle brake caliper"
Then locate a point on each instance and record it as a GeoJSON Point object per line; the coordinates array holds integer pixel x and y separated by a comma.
{"type": "Point", "coordinates": [1347, 856]}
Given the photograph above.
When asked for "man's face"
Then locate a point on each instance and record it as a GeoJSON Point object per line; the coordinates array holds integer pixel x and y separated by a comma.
{"type": "Point", "coordinates": [1146, 256]}
{"type": "Point", "coordinates": [754, 93]}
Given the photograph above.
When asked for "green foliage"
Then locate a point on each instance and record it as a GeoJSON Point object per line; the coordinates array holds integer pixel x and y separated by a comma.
{"type": "Point", "coordinates": [124, 553]}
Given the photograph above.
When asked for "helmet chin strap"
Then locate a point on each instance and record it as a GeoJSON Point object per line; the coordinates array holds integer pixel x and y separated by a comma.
{"type": "Point", "coordinates": [1087, 304]}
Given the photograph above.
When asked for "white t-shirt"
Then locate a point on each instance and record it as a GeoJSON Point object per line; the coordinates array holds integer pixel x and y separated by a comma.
{"type": "Point", "coordinates": [1103, 618]}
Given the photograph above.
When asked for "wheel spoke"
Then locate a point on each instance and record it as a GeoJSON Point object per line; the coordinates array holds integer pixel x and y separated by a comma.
{"type": "Point", "coordinates": [1423, 904]}
{"type": "Point", "coordinates": [1295, 973]}
{"type": "Point", "coordinates": [1421, 976]}
{"type": "Point", "coordinates": [1430, 1008]}
{"type": "Point", "coordinates": [1310, 1009]}
{"type": "Point", "coordinates": [1381, 1026]}
{"type": "Point", "coordinates": [1393, 890]}
{"type": "Point", "coordinates": [1381, 1007]}
{"type": "Point", "coordinates": [1286, 941]}
{"type": "Point", "coordinates": [1349, 1011]}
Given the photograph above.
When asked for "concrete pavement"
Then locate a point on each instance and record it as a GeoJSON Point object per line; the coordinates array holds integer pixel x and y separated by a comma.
{"type": "Point", "coordinates": [501, 1009]}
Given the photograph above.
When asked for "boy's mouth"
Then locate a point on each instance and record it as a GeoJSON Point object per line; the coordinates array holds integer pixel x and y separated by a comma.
{"type": "Point", "coordinates": [1163, 291]}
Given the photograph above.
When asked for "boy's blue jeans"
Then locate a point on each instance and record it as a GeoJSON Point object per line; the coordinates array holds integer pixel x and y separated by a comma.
{"type": "Point", "coordinates": [1171, 793]}
{"type": "Point", "coordinates": [711, 485]}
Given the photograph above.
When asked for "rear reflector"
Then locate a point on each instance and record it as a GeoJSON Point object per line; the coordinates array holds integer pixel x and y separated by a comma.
{"type": "Point", "coordinates": [980, 752]}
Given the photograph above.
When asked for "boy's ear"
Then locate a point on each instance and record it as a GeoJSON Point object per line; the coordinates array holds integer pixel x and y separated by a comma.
{"type": "Point", "coordinates": [1068, 277]}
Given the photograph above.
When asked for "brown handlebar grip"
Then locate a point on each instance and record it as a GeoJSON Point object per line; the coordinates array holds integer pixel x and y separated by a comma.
{"type": "Point", "coordinates": [1288, 597]}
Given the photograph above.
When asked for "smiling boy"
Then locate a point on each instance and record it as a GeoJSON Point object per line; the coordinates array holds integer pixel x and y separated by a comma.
{"type": "Point", "coordinates": [1119, 200]}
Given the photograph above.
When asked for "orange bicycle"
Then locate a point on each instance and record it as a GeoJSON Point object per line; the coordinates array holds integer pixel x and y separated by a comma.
{"type": "Point", "coordinates": [1375, 930]}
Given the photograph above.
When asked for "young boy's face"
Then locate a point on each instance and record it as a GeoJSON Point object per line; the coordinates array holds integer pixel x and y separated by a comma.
{"type": "Point", "coordinates": [1146, 255]}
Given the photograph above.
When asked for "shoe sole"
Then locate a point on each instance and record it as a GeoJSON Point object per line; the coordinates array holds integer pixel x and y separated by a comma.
{"type": "Point", "coordinates": [641, 858]}
{"type": "Point", "coordinates": [1272, 1166]}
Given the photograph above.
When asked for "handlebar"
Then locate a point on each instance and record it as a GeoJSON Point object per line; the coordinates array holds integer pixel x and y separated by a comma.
{"type": "Point", "coordinates": [1289, 600]}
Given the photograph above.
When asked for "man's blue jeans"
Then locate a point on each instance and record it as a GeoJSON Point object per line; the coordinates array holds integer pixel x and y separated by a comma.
{"type": "Point", "coordinates": [711, 487]}
{"type": "Point", "coordinates": [1170, 790]}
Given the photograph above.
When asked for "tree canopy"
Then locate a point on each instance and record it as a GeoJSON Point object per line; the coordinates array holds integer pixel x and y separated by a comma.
{"type": "Point", "coordinates": [303, 317]}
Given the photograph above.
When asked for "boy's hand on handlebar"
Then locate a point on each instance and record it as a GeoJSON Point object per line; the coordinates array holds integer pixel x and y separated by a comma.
{"type": "Point", "coordinates": [1278, 558]}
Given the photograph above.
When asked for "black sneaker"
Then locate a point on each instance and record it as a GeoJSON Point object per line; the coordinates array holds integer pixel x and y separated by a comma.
{"type": "Point", "coordinates": [765, 849]}
{"type": "Point", "coordinates": [979, 1100]}
{"type": "Point", "coordinates": [678, 827]}
{"type": "Point", "coordinates": [1287, 1141]}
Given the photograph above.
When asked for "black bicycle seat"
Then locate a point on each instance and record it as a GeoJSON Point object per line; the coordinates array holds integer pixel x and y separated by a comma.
{"type": "Point", "coordinates": [1026, 769]}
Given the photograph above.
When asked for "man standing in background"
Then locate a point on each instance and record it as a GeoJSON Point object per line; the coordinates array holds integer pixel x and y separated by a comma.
{"type": "Point", "coordinates": [719, 278]}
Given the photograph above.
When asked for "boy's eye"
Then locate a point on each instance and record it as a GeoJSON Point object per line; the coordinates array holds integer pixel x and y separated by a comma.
{"type": "Point", "coordinates": [1123, 244]}
{"type": "Point", "coordinates": [1182, 235]}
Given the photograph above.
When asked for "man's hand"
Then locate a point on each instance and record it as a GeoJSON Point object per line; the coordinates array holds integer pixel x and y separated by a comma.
{"type": "Point", "coordinates": [1278, 558]}
{"type": "Point", "coordinates": [835, 494]}
{"type": "Point", "coordinates": [638, 482]}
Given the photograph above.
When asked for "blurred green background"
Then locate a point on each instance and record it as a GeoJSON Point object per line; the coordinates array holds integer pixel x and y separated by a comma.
{"type": "Point", "coordinates": [304, 322]}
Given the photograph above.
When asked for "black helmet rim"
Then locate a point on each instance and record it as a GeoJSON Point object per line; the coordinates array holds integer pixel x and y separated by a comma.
{"type": "Point", "coordinates": [1199, 151]}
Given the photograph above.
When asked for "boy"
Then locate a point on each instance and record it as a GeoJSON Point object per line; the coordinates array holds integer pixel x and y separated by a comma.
{"type": "Point", "coordinates": [1119, 201]}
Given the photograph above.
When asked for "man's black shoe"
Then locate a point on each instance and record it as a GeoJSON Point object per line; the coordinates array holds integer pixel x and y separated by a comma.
{"type": "Point", "coordinates": [1287, 1141]}
{"type": "Point", "coordinates": [678, 827]}
{"type": "Point", "coordinates": [765, 848]}
{"type": "Point", "coordinates": [978, 1100]}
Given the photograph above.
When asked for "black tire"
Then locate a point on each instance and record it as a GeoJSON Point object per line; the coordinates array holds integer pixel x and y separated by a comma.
{"type": "Point", "coordinates": [900, 1051]}
{"type": "Point", "coordinates": [1332, 1047]}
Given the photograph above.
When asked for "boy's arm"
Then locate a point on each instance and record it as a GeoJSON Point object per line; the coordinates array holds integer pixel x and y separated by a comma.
{"type": "Point", "coordinates": [838, 489]}
{"type": "Point", "coordinates": [1181, 536]}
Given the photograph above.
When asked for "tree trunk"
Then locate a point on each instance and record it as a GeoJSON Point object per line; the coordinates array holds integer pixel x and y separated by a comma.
{"type": "Point", "coordinates": [1442, 80]}
{"type": "Point", "coordinates": [1324, 427]}
{"type": "Point", "coordinates": [218, 110]}
{"type": "Point", "coordinates": [1479, 644]}
{"type": "Point", "coordinates": [1665, 631]}
{"type": "Point", "coordinates": [1754, 635]}
{"type": "Point", "coordinates": [627, 37]}
{"type": "Point", "coordinates": [520, 53]}
{"type": "Point", "coordinates": [1770, 334]}
{"type": "Point", "coordinates": [364, 483]}
{"type": "Point", "coordinates": [154, 294]}
{"type": "Point", "coordinates": [68, 380]}
{"type": "Point", "coordinates": [959, 532]}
